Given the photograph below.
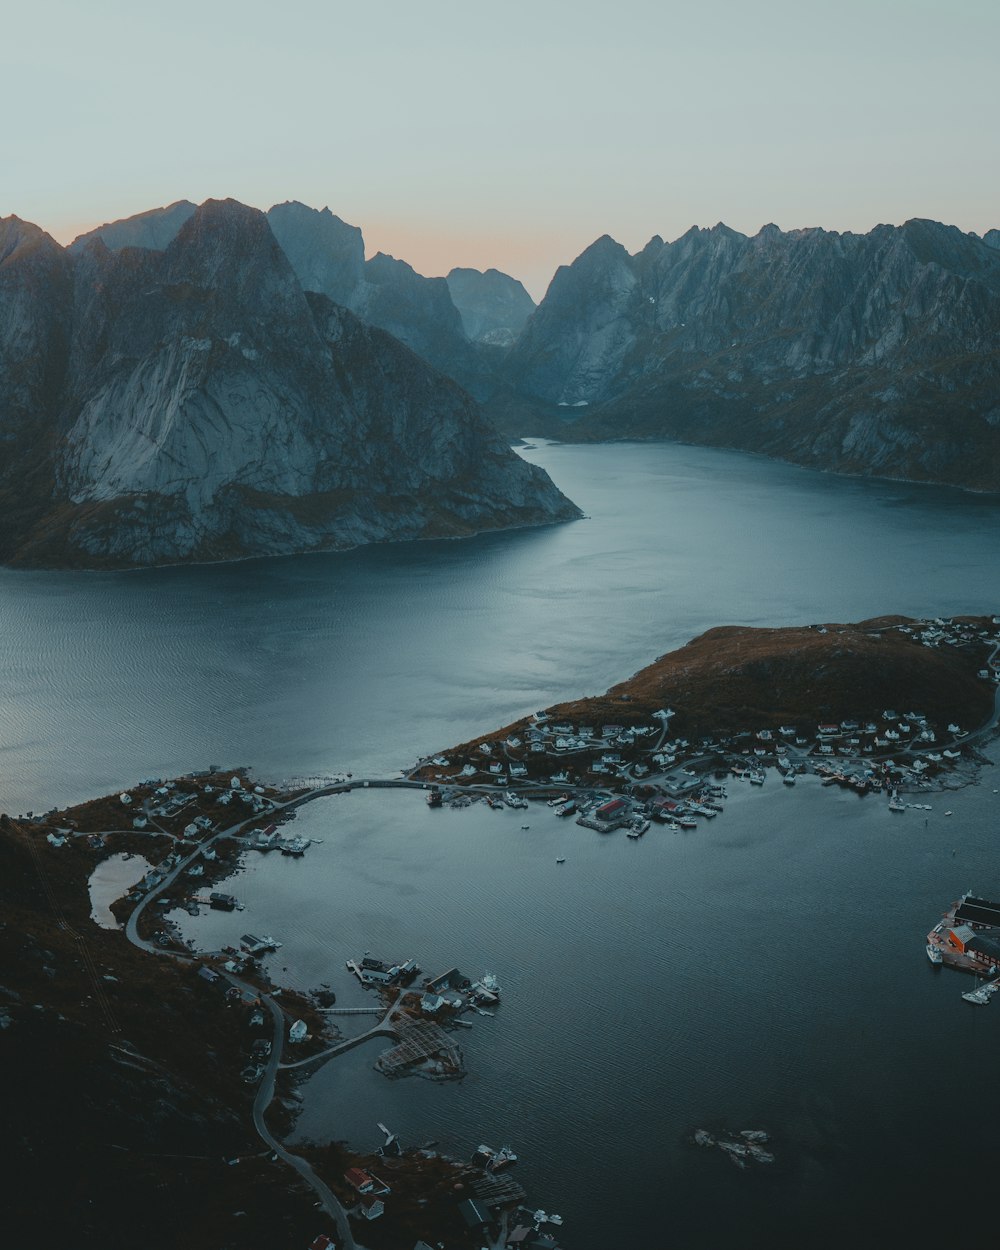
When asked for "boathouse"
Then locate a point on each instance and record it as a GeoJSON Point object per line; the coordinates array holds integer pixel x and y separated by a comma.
{"type": "Point", "coordinates": [978, 913]}
{"type": "Point", "coordinates": [611, 810]}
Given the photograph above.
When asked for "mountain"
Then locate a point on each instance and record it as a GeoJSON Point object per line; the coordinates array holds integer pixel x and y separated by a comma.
{"type": "Point", "coordinates": [871, 354]}
{"type": "Point", "coordinates": [493, 306]}
{"type": "Point", "coordinates": [155, 228]}
{"type": "Point", "coordinates": [36, 290]}
{"type": "Point", "coordinates": [328, 256]}
{"type": "Point", "coordinates": [199, 405]}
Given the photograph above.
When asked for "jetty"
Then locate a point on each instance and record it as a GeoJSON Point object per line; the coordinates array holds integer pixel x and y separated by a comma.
{"type": "Point", "coordinates": [421, 1043]}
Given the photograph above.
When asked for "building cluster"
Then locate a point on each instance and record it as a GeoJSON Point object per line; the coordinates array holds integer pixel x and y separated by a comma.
{"type": "Point", "coordinates": [556, 752]}
{"type": "Point", "coordinates": [968, 936]}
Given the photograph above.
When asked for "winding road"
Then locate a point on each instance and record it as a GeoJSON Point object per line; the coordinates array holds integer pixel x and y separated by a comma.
{"type": "Point", "coordinates": [265, 1091]}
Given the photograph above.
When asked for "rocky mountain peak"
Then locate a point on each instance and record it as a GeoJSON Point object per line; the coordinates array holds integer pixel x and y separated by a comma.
{"type": "Point", "coordinates": [871, 353]}
{"type": "Point", "coordinates": [153, 229]}
{"type": "Point", "coordinates": [19, 239]}
{"type": "Point", "coordinates": [493, 306]}
{"type": "Point", "coordinates": [327, 254]}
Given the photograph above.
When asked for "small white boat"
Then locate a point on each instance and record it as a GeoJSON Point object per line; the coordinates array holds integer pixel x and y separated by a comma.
{"type": "Point", "coordinates": [789, 779]}
{"type": "Point", "coordinates": [561, 859]}
{"type": "Point", "coordinates": [933, 954]}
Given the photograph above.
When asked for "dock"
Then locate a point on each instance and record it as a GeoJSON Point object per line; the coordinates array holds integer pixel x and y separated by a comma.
{"type": "Point", "coordinates": [422, 1042]}
{"type": "Point", "coordinates": [498, 1190]}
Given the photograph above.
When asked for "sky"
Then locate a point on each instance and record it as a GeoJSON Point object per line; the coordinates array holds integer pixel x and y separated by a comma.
{"type": "Point", "coordinates": [506, 134]}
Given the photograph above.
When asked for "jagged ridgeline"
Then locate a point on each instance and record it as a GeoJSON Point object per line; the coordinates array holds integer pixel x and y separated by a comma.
{"type": "Point", "coordinates": [171, 390]}
{"type": "Point", "coordinates": [865, 354]}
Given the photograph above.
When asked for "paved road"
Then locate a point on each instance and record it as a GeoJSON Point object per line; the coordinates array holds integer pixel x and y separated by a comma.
{"type": "Point", "coordinates": [265, 1092]}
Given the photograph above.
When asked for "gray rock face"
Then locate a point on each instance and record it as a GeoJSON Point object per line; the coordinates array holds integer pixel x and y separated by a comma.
{"type": "Point", "coordinates": [153, 229]}
{"type": "Point", "coordinates": [328, 256]}
{"type": "Point", "coordinates": [493, 306]}
{"type": "Point", "coordinates": [876, 353]}
{"type": "Point", "coordinates": [326, 253]}
{"type": "Point", "coordinates": [35, 284]}
{"type": "Point", "coordinates": [209, 408]}
{"type": "Point", "coordinates": [992, 238]}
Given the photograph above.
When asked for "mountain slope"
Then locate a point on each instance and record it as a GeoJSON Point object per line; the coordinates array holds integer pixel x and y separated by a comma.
{"type": "Point", "coordinates": [328, 256]}
{"type": "Point", "coordinates": [875, 353]}
{"type": "Point", "coordinates": [493, 306]}
{"type": "Point", "coordinates": [209, 408]}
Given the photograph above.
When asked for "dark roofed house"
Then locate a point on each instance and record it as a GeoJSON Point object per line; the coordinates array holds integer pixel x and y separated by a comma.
{"type": "Point", "coordinates": [978, 911]}
{"type": "Point", "coordinates": [986, 950]}
{"type": "Point", "coordinates": [322, 1242]}
{"type": "Point", "coordinates": [372, 1207]}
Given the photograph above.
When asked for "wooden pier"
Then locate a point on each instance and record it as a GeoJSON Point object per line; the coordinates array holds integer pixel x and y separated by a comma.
{"type": "Point", "coordinates": [498, 1191]}
{"type": "Point", "coordinates": [422, 1042]}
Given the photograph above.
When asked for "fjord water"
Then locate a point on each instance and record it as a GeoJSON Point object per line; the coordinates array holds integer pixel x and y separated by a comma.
{"type": "Point", "coordinates": [365, 660]}
{"type": "Point", "coordinates": [766, 971]}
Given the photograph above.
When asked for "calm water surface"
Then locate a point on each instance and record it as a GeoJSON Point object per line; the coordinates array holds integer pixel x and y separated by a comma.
{"type": "Point", "coordinates": [766, 971]}
{"type": "Point", "coordinates": [366, 660]}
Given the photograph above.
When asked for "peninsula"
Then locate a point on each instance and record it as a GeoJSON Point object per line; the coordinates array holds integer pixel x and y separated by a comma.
{"type": "Point", "coordinates": [832, 690]}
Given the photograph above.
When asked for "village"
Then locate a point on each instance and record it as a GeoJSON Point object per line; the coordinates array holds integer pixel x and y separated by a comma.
{"type": "Point", "coordinates": [625, 774]}
{"type": "Point", "coordinates": [628, 774]}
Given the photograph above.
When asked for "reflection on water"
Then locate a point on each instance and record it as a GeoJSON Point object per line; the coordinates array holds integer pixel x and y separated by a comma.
{"type": "Point", "coordinates": [111, 879]}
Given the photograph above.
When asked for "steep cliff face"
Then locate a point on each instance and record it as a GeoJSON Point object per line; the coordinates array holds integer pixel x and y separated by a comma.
{"type": "Point", "coordinates": [493, 306]}
{"type": "Point", "coordinates": [326, 253]}
{"type": "Point", "coordinates": [209, 408]}
{"type": "Point", "coordinates": [328, 257]}
{"type": "Point", "coordinates": [35, 283]}
{"type": "Point", "coordinates": [35, 300]}
{"type": "Point", "coordinates": [871, 353]}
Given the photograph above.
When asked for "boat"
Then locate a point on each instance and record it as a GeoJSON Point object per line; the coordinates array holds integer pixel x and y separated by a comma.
{"type": "Point", "coordinates": [757, 777]}
{"type": "Point", "coordinates": [486, 989]}
{"type": "Point", "coordinates": [933, 953]}
{"type": "Point", "coordinates": [789, 779]}
{"type": "Point", "coordinates": [561, 859]}
{"type": "Point", "coordinates": [434, 798]}
{"type": "Point", "coordinates": [896, 804]}
{"type": "Point", "coordinates": [979, 996]}
{"type": "Point", "coordinates": [567, 809]}
{"type": "Point", "coordinates": [504, 1158]}
{"type": "Point", "coordinates": [525, 826]}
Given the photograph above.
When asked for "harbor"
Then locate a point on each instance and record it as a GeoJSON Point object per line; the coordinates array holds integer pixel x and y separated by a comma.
{"type": "Point", "coordinates": [967, 939]}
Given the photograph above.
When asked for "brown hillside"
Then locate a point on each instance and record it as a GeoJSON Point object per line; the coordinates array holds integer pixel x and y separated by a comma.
{"type": "Point", "coordinates": [734, 678]}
